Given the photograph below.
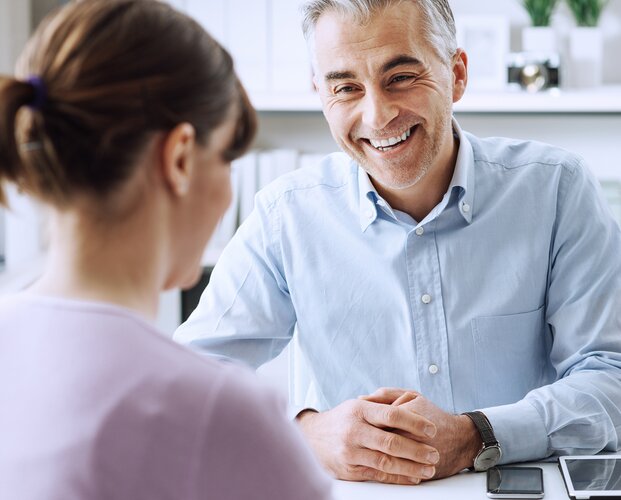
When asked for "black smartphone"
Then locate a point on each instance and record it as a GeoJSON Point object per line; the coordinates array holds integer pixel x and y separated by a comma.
{"type": "Point", "coordinates": [515, 482]}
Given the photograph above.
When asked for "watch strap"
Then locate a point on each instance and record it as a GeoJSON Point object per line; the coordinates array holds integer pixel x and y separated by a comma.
{"type": "Point", "coordinates": [484, 427]}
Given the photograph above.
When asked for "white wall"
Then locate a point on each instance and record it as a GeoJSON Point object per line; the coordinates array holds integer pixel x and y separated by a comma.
{"type": "Point", "coordinates": [562, 20]}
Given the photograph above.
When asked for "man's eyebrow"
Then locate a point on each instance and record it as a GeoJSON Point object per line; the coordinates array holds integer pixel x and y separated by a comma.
{"type": "Point", "coordinates": [401, 60]}
{"type": "Point", "coordinates": [339, 75]}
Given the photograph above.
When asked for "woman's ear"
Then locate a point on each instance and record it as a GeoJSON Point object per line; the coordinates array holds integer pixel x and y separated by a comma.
{"type": "Point", "coordinates": [178, 158]}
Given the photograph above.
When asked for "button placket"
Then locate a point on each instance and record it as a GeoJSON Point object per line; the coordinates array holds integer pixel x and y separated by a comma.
{"type": "Point", "coordinates": [430, 334]}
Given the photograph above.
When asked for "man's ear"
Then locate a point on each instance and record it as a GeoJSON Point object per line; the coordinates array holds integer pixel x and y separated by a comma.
{"type": "Point", "coordinates": [460, 74]}
{"type": "Point", "coordinates": [178, 158]}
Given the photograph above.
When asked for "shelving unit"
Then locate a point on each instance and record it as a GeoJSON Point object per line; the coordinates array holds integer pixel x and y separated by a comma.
{"type": "Point", "coordinates": [606, 99]}
{"type": "Point", "coordinates": [590, 101]}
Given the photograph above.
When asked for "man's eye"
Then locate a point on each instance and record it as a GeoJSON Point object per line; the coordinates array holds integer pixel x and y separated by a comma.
{"type": "Point", "coordinates": [402, 78]}
{"type": "Point", "coordinates": [346, 89]}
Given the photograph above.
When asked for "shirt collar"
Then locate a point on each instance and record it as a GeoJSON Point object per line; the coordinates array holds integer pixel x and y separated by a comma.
{"type": "Point", "coordinates": [462, 182]}
{"type": "Point", "coordinates": [368, 200]}
{"type": "Point", "coordinates": [463, 175]}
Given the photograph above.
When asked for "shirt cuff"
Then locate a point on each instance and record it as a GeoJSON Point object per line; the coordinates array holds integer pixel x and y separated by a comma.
{"type": "Point", "coordinates": [294, 410]}
{"type": "Point", "coordinates": [520, 431]}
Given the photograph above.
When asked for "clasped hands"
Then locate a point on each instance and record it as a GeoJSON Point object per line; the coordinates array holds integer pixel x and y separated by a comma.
{"type": "Point", "coordinates": [391, 436]}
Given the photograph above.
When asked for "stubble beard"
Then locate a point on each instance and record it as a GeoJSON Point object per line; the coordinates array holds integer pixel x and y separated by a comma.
{"type": "Point", "coordinates": [402, 173]}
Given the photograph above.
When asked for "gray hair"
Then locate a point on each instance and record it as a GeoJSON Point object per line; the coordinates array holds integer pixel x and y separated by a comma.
{"type": "Point", "coordinates": [438, 23]}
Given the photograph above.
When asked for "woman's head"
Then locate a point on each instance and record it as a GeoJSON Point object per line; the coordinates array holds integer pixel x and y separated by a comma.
{"type": "Point", "coordinates": [98, 81]}
{"type": "Point", "coordinates": [110, 73]}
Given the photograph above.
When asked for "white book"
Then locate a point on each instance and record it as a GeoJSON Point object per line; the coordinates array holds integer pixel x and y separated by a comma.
{"type": "Point", "coordinates": [214, 247]}
{"type": "Point", "coordinates": [211, 15]}
{"type": "Point", "coordinates": [265, 169]}
{"type": "Point", "coordinates": [246, 32]}
{"type": "Point", "coordinates": [274, 163]}
{"type": "Point", "coordinates": [247, 170]}
{"type": "Point", "coordinates": [291, 67]}
{"type": "Point", "coordinates": [284, 161]}
{"type": "Point", "coordinates": [228, 223]}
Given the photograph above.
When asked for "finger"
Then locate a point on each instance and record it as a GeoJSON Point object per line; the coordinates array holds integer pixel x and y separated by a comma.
{"type": "Point", "coordinates": [406, 397]}
{"type": "Point", "coordinates": [394, 466]}
{"type": "Point", "coordinates": [385, 395]}
{"type": "Point", "coordinates": [369, 474]}
{"type": "Point", "coordinates": [395, 417]}
{"type": "Point", "coordinates": [397, 446]}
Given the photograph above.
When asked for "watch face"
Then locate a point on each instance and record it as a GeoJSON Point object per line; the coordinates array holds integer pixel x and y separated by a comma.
{"type": "Point", "coordinates": [488, 457]}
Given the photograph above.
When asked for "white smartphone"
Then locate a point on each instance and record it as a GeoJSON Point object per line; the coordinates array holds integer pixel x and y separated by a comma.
{"type": "Point", "coordinates": [515, 482]}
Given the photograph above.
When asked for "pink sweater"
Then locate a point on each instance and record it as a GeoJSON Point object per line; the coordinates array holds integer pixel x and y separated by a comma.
{"type": "Point", "coordinates": [96, 404]}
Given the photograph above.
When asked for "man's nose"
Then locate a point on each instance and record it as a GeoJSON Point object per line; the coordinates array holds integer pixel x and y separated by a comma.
{"type": "Point", "coordinates": [379, 109]}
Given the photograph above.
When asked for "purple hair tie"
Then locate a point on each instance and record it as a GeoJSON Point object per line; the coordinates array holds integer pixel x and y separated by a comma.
{"type": "Point", "coordinates": [40, 93]}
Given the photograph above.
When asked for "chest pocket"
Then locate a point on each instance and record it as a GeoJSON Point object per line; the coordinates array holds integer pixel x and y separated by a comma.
{"type": "Point", "coordinates": [510, 356]}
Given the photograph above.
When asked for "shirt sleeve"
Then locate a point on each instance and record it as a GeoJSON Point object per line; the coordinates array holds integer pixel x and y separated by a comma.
{"type": "Point", "coordinates": [580, 413]}
{"type": "Point", "coordinates": [245, 313]}
{"type": "Point", "coordinates": [252, 450]}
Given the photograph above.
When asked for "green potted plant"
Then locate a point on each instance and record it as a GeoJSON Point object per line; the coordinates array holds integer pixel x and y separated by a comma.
{"type": "Point", "coordinates": [540, 11]}
{"type": "Point", "coordinates": [587, 12]}
{"type": "Point", "coordinates": [539, 36]}
{"type": "Point", "coordinates": [586, 44]}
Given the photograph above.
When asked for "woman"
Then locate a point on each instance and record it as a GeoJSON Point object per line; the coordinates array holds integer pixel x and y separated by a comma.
{"type": "Point", "coordinates": [123, 122]}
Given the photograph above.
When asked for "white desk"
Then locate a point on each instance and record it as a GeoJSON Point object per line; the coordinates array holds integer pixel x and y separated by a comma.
{"type": "Point", "coordinates": [464, 486]}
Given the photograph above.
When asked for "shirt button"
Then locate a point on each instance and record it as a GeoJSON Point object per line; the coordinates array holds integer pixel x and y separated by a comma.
{"type": "Point", "coordinates": [419, 231]}
{"type": "Point", "coordinates": [368, 214]}
{"type": "Point", "coordinates": [465, 207]}
{"type": "Point", "coordinates": [426, 298]}
{"type": "Point", "coordinates": [433, 369]}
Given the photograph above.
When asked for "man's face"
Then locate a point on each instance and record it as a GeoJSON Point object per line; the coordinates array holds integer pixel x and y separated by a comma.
{"type": "Point", "coordinates": [386, 95]}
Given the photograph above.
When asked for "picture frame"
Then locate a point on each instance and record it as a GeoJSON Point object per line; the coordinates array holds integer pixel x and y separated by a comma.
{"type": "Point", "coordinates": [486, 41]}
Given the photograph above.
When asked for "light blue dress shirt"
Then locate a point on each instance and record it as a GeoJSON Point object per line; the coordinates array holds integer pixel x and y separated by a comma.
{"type": "Point", "coordinates": [505, 298]}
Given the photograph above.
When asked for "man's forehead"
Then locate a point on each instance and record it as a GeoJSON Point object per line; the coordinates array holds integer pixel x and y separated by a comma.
{"type": "Point", "coordinates": [397, 19]}
{"type": "Point", "coordinates": [340, 40]}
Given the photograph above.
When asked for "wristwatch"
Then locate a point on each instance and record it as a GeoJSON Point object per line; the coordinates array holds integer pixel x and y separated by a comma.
{"type": "Point", "coordinates": [490, 453]}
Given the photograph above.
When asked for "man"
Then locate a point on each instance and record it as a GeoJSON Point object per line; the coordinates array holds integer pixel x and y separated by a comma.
{"type": "Point", "coordinates": [453, 273]}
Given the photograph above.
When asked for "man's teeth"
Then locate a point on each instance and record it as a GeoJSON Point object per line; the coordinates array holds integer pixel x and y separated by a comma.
{"type": "Point", "coordinates": [385, 143]}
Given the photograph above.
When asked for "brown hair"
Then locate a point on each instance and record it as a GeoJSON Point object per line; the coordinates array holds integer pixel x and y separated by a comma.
{"type": "Point", "coordinates": [111, 73]}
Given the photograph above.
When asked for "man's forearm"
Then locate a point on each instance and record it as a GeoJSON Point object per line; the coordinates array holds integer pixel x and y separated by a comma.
{"type": "Point", "coordinates": [576, 415]}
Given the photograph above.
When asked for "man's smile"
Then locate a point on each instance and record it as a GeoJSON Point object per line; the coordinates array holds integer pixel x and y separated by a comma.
{"type": "Point", "coordinates": [390, 143]}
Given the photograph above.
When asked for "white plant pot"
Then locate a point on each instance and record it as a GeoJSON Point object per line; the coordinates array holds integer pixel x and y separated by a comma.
{"type": "Point", "coordinates": [539, 39]}
{"type": "Point", "coordinates": [586, 48]}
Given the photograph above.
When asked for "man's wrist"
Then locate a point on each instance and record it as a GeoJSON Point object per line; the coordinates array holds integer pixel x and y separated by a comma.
{"type": "Point", "coordinates": [472, 442]}
{"type": "Point", "coordinates": [490, 453]}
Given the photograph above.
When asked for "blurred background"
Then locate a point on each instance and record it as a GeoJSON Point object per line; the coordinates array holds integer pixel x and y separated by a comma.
{"type": "Point", "coordinates": [537, 71]}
